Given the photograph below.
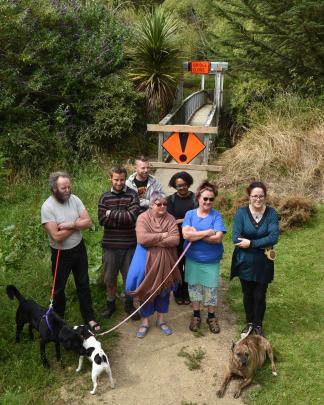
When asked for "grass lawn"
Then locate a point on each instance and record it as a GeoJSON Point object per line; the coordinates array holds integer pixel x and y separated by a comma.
{"type": "Point", "coordinates": [25, 262]}
{"type": "Point", "coordinates": [294, 318]}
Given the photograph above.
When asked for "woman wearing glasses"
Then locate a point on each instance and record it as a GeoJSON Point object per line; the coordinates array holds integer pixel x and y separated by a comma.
{"type": "Point", "coordinates": [255, 227]}
{"type": "Point", "coordinates": [179, 203]}
{"type": "Point", "coordinates": [204, 227]}
{"type": "Point", "coordinates": [155, 255]}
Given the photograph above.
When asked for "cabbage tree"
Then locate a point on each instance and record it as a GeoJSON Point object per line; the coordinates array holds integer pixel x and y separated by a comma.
{"type": "Point", "coordinates": [155, 59]}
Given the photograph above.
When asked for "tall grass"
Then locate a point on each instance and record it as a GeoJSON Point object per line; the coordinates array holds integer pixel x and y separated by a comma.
{"type": "Point", "coordinates": [294, 320]}
{"type": "Point", "coordinates": [25, 262]}
{"type": "Point", "coordinates": [284, 147]}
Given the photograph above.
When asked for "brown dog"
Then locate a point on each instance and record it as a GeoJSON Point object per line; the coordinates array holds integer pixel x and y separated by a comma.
{"type": "Point", "coordinates": [247, 355]}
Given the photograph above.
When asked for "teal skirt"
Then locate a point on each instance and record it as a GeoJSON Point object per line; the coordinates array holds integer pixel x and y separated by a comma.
{"type": "Point", "coordinates": [206, 274]}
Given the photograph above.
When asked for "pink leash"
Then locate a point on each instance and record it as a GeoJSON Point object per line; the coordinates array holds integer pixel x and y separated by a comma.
{"type": "Point", "coordinates": [126, 319]}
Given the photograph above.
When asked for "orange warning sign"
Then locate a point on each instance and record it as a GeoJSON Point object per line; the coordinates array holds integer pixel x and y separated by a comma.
{"type": "Point", "coordinates": [183, 147]}
{"type": "Point", "coordinates": [201, 67]}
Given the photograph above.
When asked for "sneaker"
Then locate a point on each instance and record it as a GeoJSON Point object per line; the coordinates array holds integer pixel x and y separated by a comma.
{"type": "Point", "coordinates": [111, 308]}
{"type": "Point", "coordinates": [247, 330]}
{"type": "Point", "coordinates": [258, 331]}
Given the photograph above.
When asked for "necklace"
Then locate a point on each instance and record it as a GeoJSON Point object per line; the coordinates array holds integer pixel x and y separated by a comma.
{"type": "Point", "coordinates": [257, 216]}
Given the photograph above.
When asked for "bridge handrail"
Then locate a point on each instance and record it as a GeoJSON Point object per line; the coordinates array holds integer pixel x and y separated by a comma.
{"type": "Point", "coordinates": [188, 107]}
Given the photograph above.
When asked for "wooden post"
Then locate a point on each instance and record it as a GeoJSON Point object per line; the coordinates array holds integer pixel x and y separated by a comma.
{"type": "Point", "coordinates": [160, 150]}
{"type": "Point", "coordinates": [206, 150]}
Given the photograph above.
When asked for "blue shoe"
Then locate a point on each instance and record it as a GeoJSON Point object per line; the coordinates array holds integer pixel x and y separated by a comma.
{"type": "Point", "coordinates": [164, 328]}
{"type": "Point", "coordinates": [141, 334]}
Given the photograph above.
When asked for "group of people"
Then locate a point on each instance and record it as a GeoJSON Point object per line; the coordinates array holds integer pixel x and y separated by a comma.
{"type": "Point", "coordinates": [145, 233]}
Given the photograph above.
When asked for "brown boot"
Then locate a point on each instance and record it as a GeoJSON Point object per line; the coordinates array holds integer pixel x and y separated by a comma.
{"type": "Point", "coordinates": [213, 325]}
{"type": "Point", "coordinates": [195, 324]}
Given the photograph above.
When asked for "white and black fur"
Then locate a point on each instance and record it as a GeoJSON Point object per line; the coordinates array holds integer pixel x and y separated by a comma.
{"type": "Point", "coordinates": [33, 314]}
{"type": "Point", "coordinates": [96, 355]}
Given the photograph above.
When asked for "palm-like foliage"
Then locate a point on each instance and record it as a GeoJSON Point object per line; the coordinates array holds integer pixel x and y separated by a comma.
{"type": "Point", "coordinates": [155, 57]}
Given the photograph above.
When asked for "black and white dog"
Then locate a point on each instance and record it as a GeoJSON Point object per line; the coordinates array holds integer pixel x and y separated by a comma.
{"type": "Point", "coordinates": [96, 355]}
{"type": "Point", "coordinates": [50, 326]}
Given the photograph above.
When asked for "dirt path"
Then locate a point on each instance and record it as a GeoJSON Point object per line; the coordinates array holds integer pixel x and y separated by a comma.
{"type": "Point", "coordinates": [149, 370]}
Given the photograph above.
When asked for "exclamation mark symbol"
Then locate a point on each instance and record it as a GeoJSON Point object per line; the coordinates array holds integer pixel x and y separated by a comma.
{"type": "Point", "coordinates": [183, 143]}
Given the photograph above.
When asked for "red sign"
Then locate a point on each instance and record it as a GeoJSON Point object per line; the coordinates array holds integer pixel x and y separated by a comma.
{"type": "Point", "coordinates": [183, 147]}
{"type": "Point", "coordinates": [201, 67]}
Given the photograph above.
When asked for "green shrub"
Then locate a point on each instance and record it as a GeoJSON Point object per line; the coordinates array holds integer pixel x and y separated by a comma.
{"type": "Point", "coordinates": [57, 99]}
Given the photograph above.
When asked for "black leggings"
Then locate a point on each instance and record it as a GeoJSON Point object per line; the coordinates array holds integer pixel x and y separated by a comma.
{"type": "Point", "coordinates": [182, 290]}
{"type": "Point", "coordinates": [254, 300]}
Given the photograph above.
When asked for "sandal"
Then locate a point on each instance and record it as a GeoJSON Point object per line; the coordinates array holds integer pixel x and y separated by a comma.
{"type": "Point", "coordinates": [178, 300]}
{"type": "Point", "coordinates": [164, 328]}
{"type": "Point", "coordinates": [94, 326]}
{"type": "Point", "coordinates": [213, 325]}
{"type": "Point", "coordinates": [186, 301]}
{"type": "Point", "coordinates": [141, 334]}
{"type": "Point", "coordinates": [195, 324]}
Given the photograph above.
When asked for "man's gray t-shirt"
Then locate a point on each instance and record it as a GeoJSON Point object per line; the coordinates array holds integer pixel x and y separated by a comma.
{"type": "Point", "coordinates": [70, 210]}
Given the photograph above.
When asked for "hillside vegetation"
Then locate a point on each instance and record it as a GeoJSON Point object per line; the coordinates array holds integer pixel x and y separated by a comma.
{"type": "Point", "coordinates": [284, 148]}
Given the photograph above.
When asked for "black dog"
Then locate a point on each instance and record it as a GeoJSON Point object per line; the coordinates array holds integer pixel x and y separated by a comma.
{"type": "Point", "coordinates": [50, 326]}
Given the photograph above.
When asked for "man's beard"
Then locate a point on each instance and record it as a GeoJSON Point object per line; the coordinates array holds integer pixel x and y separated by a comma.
{"type": "Point", "coordinates": [61, 197]}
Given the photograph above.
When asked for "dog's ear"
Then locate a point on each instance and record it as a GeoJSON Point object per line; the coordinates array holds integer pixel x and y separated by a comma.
{"type": "Point", "coordinates": [79, 329]}
{"type": "Point", "coordinates": [233, 345]}
{"type": "Point", "coordinates": [64, 337]}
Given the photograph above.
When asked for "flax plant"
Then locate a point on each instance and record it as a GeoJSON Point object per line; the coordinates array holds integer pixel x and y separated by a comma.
{"type": "Point", "coordinates": [155, 57]}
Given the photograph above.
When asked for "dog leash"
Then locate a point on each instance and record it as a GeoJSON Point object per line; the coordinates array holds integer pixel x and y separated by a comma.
{"type": "Point", "coordinates": [137, 309]}
{"type": "Point", "coordinates": [50, 308]}
{"type": "Point", "coordinates": [55, 273]}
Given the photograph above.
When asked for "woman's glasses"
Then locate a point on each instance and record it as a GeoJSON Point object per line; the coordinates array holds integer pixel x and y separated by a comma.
{"type": "Point", "coordinates": [158, 204]}
{"type": "Point", "coordinates": [181, 186]}
{"type": "Point", "coordinates": [257, 197]}
{"type": "Point", "coordinates": [210, 199]}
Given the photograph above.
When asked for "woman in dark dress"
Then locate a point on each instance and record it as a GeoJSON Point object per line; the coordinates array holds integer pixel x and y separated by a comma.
{"type": "Point", "coordinates": [179, 203]}
{"type": "Point", "coordinates": [255, 227]}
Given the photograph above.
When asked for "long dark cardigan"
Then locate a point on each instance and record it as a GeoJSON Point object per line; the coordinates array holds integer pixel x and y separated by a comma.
{"type": "Point", "coordinates": [252, 264]}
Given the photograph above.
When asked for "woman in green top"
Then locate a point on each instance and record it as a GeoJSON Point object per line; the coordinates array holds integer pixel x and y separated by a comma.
{"type": "Point", "coordinates": [255, 227]}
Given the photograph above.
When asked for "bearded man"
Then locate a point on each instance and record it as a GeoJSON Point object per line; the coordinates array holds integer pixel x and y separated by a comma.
{"type": "Point", "coordinates": [63, 216]}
